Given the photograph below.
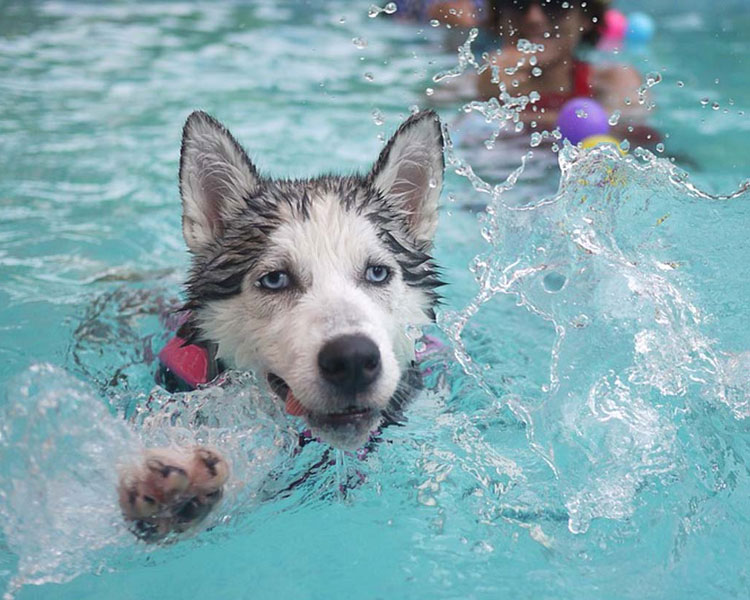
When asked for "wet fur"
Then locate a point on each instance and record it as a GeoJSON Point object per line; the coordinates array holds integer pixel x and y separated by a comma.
{"type": "Point", "coordinates": [324, 232]}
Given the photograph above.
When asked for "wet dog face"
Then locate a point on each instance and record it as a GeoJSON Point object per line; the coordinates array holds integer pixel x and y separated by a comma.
{"type": "Point", "coordinates": [314, 283]}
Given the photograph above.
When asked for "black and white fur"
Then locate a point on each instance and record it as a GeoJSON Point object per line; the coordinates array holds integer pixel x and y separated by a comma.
{"type": "Point", "coordinates": [311, 283]}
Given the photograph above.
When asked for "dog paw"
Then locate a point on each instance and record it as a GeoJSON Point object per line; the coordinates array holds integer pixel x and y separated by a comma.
{"type": "Point", "coordinates": [171, 490]}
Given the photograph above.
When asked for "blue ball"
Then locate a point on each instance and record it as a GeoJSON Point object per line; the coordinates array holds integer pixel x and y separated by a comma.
{"type": "Point", "coordinates": [641, 28]}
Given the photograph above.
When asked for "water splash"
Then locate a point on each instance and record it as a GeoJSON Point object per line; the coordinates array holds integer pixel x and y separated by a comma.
{"type": "Point", "coordinates": [61, 449]}
{"type": "Point", "coordinates": [605, 262]}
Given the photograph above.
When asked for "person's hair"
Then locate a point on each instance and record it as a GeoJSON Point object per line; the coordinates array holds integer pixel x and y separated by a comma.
{"type": "Point", "coordinates": [594, 10]}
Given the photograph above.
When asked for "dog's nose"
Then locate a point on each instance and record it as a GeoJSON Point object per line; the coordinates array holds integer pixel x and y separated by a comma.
{"type": "Point", "coordinates": [350, 362]}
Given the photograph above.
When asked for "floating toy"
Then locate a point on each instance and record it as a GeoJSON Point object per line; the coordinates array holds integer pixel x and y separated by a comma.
{"type": "Point", "coordinates": [595, 140]}
{"type": "Point", "coordinates": [614, 27]}
{"type": "Point", "coordinates": [580, 118]}
{"type": "Point", "coordinates": [640, 30]}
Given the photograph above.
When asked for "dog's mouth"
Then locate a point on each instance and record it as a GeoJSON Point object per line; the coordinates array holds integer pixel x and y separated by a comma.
{"type": "Point", "coordinates": [351, 415]}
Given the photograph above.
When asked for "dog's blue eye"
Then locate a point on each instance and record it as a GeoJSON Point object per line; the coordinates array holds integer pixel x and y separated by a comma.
{"type": "Point", "coordinates": [377, 274]}
{"type": "Point", "coordinates": [275, 280]}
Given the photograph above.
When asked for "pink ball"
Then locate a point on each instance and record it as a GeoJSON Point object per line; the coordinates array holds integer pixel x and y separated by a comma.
{"type": "Point", "coordinates": [580, 118]}
{"type": "Point", "coordinates": [615, 26]}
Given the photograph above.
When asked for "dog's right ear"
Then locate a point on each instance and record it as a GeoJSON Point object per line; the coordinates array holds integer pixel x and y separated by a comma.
{"type": "Point", "coordinates": [216, 179]}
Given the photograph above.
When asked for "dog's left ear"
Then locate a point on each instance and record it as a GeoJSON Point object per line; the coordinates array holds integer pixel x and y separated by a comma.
{"type": "Point", "coordinates": [409, 173]}
{"type": "Point", "coordinates": [216, 179]}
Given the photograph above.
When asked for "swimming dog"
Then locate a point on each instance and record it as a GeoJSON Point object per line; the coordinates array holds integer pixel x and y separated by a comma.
{"type": "Point", "coordinates": [312, 284]}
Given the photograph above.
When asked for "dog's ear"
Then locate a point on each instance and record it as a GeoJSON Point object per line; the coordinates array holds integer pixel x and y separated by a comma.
{"type": "Point", "coordinates": [216, 178]}
{"type": "Point", "coordinates": [409, 173]}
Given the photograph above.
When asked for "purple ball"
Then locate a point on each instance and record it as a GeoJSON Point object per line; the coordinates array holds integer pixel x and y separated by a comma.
{"type": "Point", "coordinates": [580, 118]}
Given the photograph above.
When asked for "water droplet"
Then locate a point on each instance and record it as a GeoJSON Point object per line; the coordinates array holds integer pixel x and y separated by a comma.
{"type": "Point", "coordinates": [435, 23]}
{"type": "Point", "coordinates": [369, 76]}
{"type": "Point", "coordinates": [704, 101]}
{"type": "Point", "coordinates": [680, 84]}
{"type": "Point", "coordinates": [715, 106]}
{"type": "Point", "coordinates": [414, 109]}
{"type": "Point", "coordinates": [536, 71]}
{"type": "Point", "coordinates": [660, 147]}
{"type": "Point", "coordinates": [359, 42]}
{"type": "Point", "coordinates": [536, 139]}
{"type": "Point", "coordinates": [716, 81]}
{"type": "Point", "coordinates": [388, 9]}
{"type": "Point", "coordinates": [653, 78]}
{"type": "Point", "coordinates": [377, 117]}
{"type": "Point", "coordinates": [581, 321]}
{"type": "Point", "coordinates": [342, 20]}
{"type": "Point", "coordinates": [429, 91]}
{"type": "Point", "coordinates": [432, 183]}
{"type": "Point", "coordinates": [625, 145]}
{"type": "Point", "coordinates": [614, 118]}
{"type": "Point", "coordinates": [582, 114]}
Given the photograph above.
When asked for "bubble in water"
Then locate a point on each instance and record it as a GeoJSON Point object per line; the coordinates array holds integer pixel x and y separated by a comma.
{"type": "Point", "coordinates": [704, 101]}
{"type": "Point", "coordinates": [715, 106]}
{"type": "Point", "coordinates": [680, 84]}
{"type": "Point", "coordinates": [359, 42]}
{"type": "Point", "coordinates": [660, 147]}
{"type": "Point", "coordinates": [429, 91]}
{"type": "Point", "coordinates": [435, 23]}
{"type": "Point", "coordinates": [625, 145]}
{"type": "Point", "coordinates": [432, 182]}
{"type": "Point", "coordinates": [377, 117]}
{"type": "Point", "coordinates": [581, 114]}
{"type": "Point", "coordinates": [536, 139]}
{"type": "Point", "coordinates": [614, 118]}
{"type": "Point", "coordinates": [554, 282]}
{"type": "Point", "coordinates": [716, 81]}
{"type": "Point", "coordinates": [342, 20]}
{"type": "Point", "coordinates": [369, 76]}
{"type": "Point", "coordinates": [536, 71]}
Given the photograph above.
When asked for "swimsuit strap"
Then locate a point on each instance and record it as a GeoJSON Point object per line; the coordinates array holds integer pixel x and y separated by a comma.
{"type": "Point", "coordinates": [582, 75]}
{"type": "Point", "coordinates": [582, 86]}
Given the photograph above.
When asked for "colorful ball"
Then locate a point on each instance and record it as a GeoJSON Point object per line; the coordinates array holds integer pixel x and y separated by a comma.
{"type": "Point", "coordinates": [614, 27]}
{"type": "Point", "coordinates": [580, 118]}
{"type": "Point", "coordinates": [595, 140]}
{"type": "Point", "coordinates": [641, 28]}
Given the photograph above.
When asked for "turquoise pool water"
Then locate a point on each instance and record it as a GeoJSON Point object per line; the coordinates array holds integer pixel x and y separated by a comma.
{"type": "Point", "coordinates": [585, 437]}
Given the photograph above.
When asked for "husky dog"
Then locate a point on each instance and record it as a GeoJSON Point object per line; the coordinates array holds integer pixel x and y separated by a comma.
{"type": "Point", "coordinates": [312, 284]}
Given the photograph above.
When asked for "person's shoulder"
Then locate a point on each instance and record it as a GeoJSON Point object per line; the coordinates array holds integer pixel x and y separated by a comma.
{"type": "Point", "coordinates": [617, 76]}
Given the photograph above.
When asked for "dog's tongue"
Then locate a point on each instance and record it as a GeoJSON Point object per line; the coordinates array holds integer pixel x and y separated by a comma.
{"type": "Point", "coordinates": [293, 407]}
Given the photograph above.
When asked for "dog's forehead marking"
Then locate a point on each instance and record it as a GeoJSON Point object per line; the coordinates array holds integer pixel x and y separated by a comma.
{"type": "Point", "coordinates": [332, 240]}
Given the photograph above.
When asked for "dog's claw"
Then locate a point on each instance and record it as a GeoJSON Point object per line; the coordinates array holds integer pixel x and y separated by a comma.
{"type": "Point", "coordinates": [170, 491]}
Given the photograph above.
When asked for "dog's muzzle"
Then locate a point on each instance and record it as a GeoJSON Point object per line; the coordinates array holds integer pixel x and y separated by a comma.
{"type": "Point", "coordinates": [348, 366]}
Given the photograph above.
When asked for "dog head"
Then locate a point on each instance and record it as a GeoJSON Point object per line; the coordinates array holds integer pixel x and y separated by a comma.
{"type": "Point", "coordinates": [314, 283]}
